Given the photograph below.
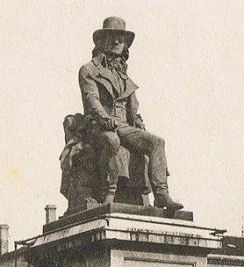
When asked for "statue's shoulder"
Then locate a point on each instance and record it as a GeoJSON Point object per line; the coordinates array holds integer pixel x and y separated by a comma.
{"type": "Point", "coordinates": [88, 68]}
{"type": "Point", "coordinates": [92, 67]}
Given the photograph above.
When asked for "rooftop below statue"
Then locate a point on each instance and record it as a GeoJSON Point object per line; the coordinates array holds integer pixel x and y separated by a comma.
{"type": "Point", "coordinates": [94, 237]}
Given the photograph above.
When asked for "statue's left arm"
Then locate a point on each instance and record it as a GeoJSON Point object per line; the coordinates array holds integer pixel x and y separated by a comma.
{"type": "Point", "coordinates": [133, 118]}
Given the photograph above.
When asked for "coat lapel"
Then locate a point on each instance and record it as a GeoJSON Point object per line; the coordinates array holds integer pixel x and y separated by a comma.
{"type": "Point", "coordinates": [130, 87]}
{"type": "Point", "coordinates": [105, 83]}
{"type": "Point", "coordinates": [104, 76]}
{"type": "Point", "coordinates": [108, 75]}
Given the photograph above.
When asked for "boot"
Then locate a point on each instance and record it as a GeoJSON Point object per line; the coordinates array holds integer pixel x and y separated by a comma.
{"type": "Point", "coordinates": [163, 199]}
{"type": "Point", "coordinates": [109, 199]}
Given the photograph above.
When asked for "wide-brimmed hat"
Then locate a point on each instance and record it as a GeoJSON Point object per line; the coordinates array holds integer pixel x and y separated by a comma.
{"type": "Point", "coordinates": [113, 25]}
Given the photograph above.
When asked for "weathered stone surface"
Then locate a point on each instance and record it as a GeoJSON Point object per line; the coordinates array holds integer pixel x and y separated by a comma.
{"type": "Point", "coordinates": [100, 210]}
{"type": "Point", "coordinates": [116, 234]}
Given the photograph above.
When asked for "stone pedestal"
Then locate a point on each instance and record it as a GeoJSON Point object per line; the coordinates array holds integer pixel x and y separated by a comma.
{"type": "Point", "coordinates": [123, 235]}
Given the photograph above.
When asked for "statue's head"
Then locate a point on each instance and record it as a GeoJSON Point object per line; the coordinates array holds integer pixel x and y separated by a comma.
{"type": "Point", "coordinates": [113, 38]}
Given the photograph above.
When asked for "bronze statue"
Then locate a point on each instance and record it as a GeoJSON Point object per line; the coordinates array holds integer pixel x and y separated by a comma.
{"type": "Point", "coordinates": [112, 125]}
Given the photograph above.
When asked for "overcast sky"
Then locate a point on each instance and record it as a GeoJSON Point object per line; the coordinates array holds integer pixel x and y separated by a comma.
{"type": "Point", "coordinates": [187, 59]}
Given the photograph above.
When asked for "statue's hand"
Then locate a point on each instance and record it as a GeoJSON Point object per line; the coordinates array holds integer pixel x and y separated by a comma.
{"type": "Point", "coordinates": [108, 124]}
{"type": "Point", "coordinates": [139, 122]}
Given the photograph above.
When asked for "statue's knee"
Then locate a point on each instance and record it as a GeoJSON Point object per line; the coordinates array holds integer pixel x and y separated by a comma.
{"type": "Point", "coordinates": [161, 141]}
{"type": "Point", "coordinates": [112, 143]}
{"type": "Point", "coordinates": [158, 142]}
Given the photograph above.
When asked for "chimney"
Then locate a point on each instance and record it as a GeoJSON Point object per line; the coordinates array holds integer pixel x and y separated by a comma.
{"type": "Point", "coordinates": [50, 213]}
{"type": "Point", "coordinates": [242, 227]}
{"type": "Point", "coordinates": [3, 238]}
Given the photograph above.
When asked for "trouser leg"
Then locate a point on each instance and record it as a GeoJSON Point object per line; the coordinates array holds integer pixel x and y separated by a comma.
{"type": "Point", "coordinates": [142, 141]}
{"type": "Point", "coordinates": [109, 144]}
{"type": "Point", "coordinates": [153, 146]}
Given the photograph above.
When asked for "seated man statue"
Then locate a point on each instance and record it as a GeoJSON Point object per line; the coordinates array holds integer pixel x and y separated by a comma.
{"type": "Point", "coordinates": [81, 175]}
{"type": "Point", "coordinates": [108, 96]}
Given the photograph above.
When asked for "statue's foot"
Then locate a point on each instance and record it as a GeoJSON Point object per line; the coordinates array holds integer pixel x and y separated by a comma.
{"type": "Point", "coordinates": [108, 199]}
{"type": "Point", "coordinates": [164, 200]}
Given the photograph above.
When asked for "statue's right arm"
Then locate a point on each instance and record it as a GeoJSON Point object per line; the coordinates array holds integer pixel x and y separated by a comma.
{"type": "Point", "coordinates": [90, 94]}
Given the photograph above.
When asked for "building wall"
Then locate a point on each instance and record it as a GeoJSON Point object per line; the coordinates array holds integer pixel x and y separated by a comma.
{"type": "Point", "coordinates": [216, 260]}
{"type": "Point", "coordinates": [128, 258]}
{"type": "Point", "coordinates": [10, 262]}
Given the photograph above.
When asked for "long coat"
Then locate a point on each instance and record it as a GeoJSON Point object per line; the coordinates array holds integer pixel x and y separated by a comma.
{"type": "Point", "coordinates": [100, 89]}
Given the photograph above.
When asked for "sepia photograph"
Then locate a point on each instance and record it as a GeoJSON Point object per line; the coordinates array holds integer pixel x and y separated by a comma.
{"type": "Point", "coordinates": [122, 133]}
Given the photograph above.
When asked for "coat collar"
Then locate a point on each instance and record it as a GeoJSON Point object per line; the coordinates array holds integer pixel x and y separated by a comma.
{"type": "Point", "coordinates": [101, 64]}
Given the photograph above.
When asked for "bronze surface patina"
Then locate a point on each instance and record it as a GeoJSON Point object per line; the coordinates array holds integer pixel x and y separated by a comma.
{"type": "Point", "coordinates": [109, 156]}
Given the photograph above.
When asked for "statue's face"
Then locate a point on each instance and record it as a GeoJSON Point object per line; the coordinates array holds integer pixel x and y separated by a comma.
{"type": "Point", "coordinates": [115, 44]}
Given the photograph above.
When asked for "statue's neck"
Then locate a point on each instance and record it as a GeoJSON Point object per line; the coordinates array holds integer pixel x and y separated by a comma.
{"type": "Point", "coordinates": [116, 62]}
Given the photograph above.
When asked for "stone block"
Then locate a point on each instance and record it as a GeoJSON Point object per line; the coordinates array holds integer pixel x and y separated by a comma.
{"type": "Point", "coordinates": [123, 235]}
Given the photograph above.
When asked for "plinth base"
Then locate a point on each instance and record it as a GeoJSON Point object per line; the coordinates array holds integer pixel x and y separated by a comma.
{"type": "Point", "coordinates": [123, 235]}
